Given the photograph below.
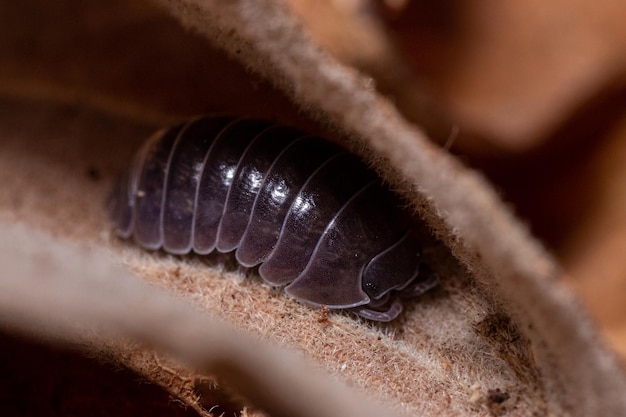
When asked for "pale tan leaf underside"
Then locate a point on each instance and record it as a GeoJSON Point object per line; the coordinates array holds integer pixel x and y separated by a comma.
{"type": "Point", "coordinates": [500, 320]}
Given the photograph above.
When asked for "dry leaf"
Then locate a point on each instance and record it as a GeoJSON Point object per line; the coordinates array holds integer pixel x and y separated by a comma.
{"type": "Point", "coordinates": [501, 335]}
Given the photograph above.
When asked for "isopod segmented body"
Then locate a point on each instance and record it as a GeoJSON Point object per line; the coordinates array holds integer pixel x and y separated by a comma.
{"type": "Point", "coordinates": [311, 215]}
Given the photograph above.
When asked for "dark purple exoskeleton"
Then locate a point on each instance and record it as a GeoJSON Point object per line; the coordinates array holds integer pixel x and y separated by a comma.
{"type": "Point", "coordinates": [312, 216]}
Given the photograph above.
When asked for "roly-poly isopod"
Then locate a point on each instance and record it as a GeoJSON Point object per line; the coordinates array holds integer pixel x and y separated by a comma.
{"type": "Point", "coordinates": [311, 215]}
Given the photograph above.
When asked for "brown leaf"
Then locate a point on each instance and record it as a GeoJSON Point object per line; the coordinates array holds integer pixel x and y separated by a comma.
{"type": "Point", "coordinates": [500, 323]}
{"type": "Point", "coordinates": [511, 74]}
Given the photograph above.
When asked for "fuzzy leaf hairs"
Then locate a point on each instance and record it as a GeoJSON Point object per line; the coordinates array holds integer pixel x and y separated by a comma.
{"type": "Point", "coordinates": [499, 334]}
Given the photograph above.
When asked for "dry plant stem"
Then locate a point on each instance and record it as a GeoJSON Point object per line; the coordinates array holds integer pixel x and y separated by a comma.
{"type": "Point", "coordinates": [495, 246]}
{"type": "Point", "coordinates": [42, 293]}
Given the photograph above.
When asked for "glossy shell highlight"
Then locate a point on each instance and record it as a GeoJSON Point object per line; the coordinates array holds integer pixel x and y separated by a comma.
{"type": "Point", "coordinates": [310, 215]}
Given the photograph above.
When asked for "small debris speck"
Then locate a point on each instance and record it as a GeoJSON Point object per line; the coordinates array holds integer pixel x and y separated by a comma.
{"type": "Point", "coordinates": [495, 396]}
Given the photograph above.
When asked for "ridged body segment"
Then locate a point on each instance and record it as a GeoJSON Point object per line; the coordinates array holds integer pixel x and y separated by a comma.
{"type": "Point", "coordinates": [312, 216]}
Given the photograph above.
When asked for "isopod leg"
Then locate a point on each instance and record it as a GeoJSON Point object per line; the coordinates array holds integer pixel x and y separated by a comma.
{"type": "Point", "coordinates": [391, 313]}
{"type": "Point", "coordinates": [418, 287]}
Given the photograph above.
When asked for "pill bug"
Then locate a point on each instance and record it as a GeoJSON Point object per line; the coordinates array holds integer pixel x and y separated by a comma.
{"type": "Point", "coordinates": [310, 215]}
